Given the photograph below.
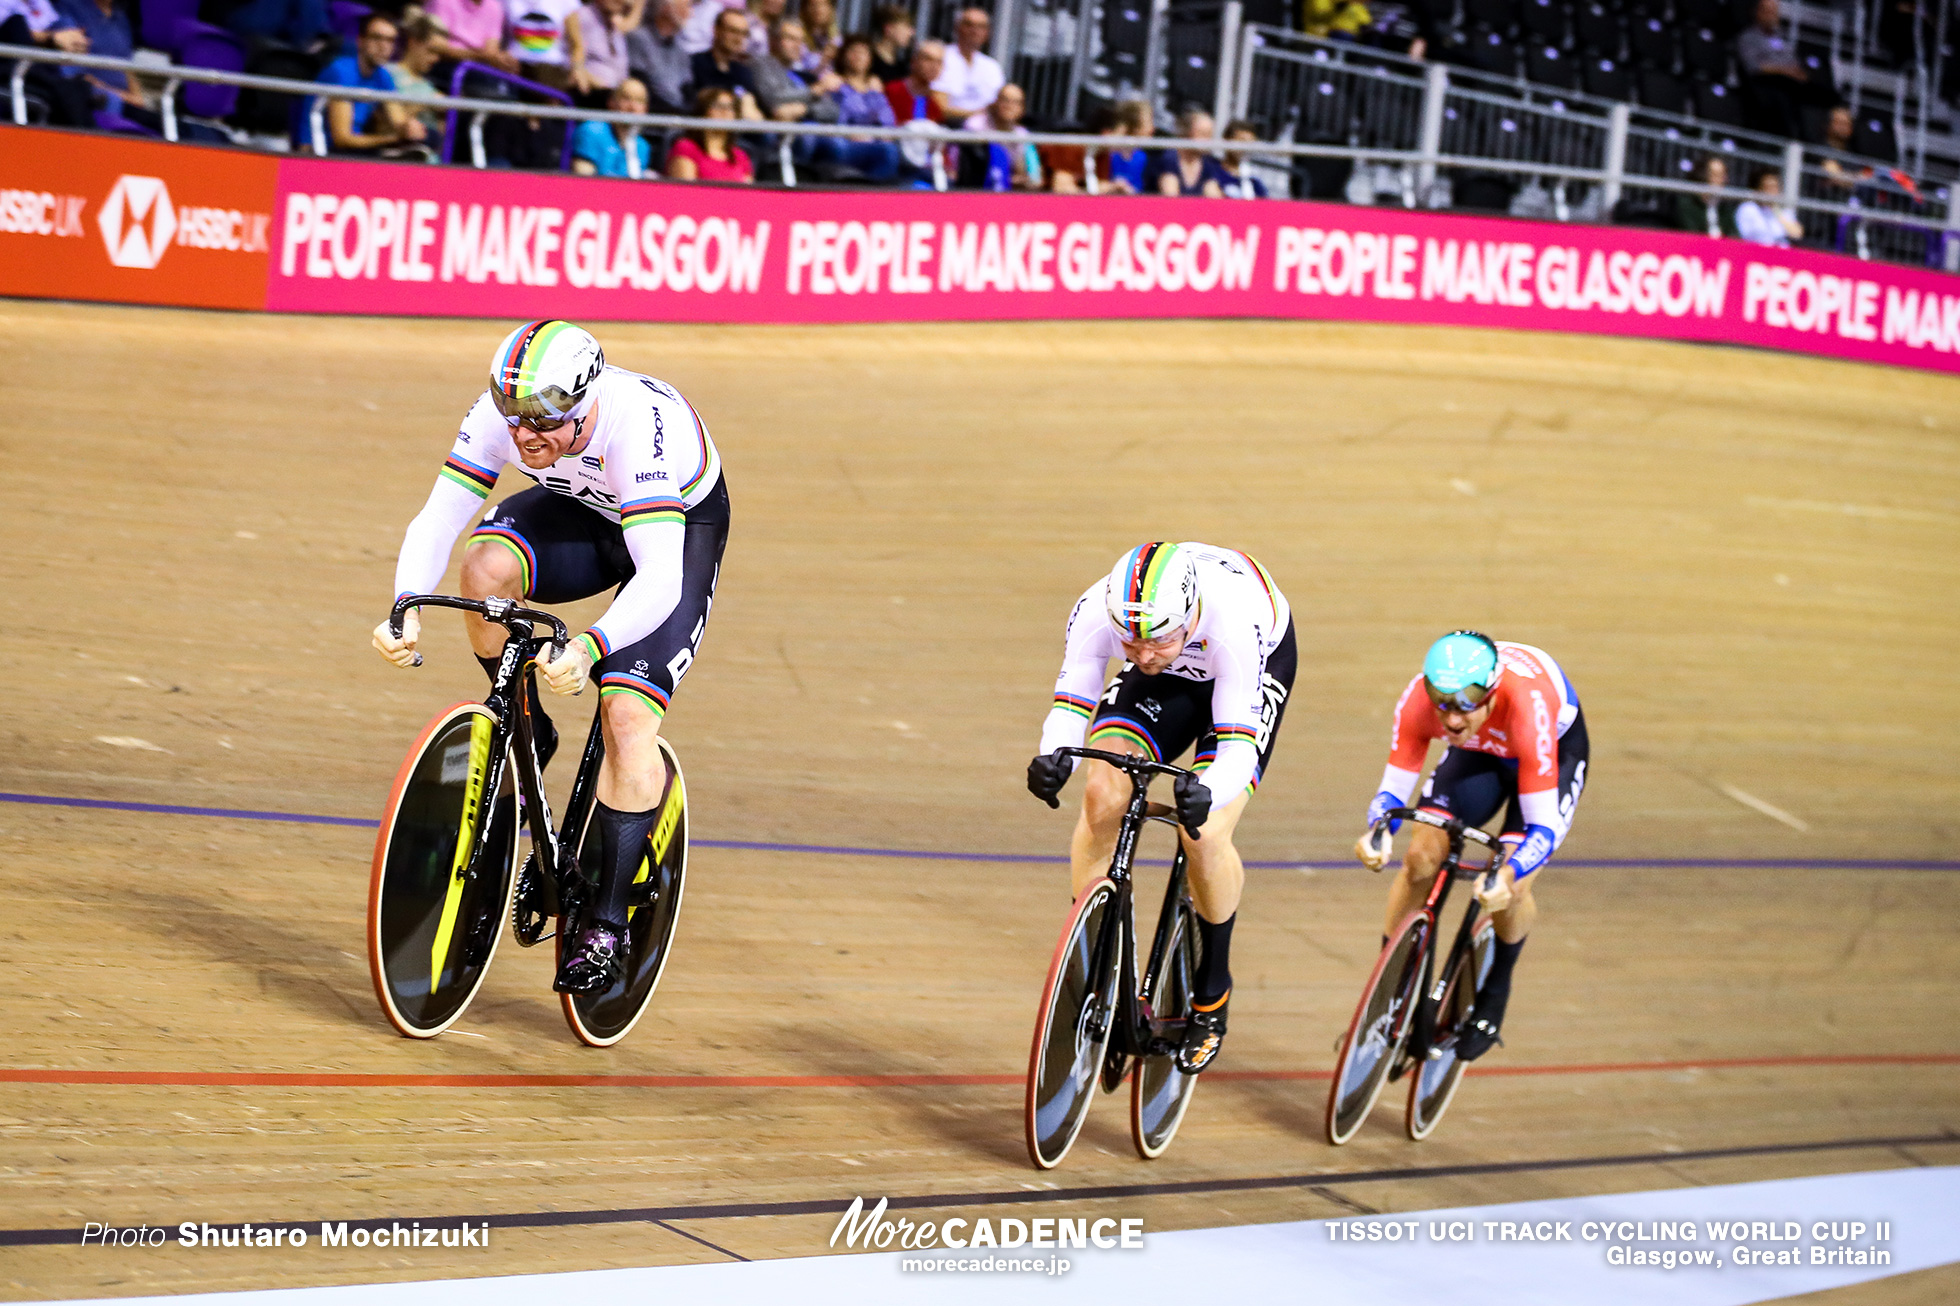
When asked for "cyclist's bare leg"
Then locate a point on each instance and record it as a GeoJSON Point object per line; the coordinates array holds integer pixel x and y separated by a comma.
{"type": "Point", "coordinates": [1217, 872]}
{"type": "Point", "coordinates": [1428, 846]}
{"type": "Point", "coordinates": [1516, 920]}
{"type": "Point", "coordinates": [489, 572]}
{"type": "Point", "coordinates": [1105, 795]}
{"type": "Point", "coordinates": [633, 773]}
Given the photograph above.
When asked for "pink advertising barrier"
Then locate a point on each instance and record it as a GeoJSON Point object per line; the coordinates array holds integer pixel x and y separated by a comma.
{"type": "Point", "coordinates": [379, 238]}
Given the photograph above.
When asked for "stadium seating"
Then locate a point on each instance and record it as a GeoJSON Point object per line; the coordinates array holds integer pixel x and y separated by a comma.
{"type": "Point", "coordinates": [1876, 135]}
{"type": "Point", "coordinates": [1662, 91]}
{"type": "Point", "coordinates": [1606, 78]}
{"type": "Point", "coordinates": [1597, 29]}
{"type": "Point", "coordinates": [1545, 20]}
{"type": "Point", "coordinates": [1716, 103]}
{"type": "Point", "coordinates": [1650, 41]}
{"type": "Point", "coordinates": [1548, 65]}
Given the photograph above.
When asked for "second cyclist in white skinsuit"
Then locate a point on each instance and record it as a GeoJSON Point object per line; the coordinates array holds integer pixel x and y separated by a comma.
{"type": "Point", "coordinates": [1206, 640]}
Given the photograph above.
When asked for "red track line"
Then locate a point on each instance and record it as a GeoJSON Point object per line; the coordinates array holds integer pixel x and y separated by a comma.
{"type": "Point", "coordinates": [289, 1079]}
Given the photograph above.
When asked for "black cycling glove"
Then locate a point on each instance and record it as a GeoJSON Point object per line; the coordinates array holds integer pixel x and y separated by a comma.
{"type": "Point", "coordinates": [1046, 776]}
{"type": "Point", "coordinates": [1193, 803]}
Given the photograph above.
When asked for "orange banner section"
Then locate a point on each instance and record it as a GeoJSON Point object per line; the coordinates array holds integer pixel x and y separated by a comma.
{"type": "Point", "coordinates": [84, 216]}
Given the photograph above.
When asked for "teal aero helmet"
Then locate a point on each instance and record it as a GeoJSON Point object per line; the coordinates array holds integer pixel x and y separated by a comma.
{"type": "Point", "coordinates": [1461, 669]}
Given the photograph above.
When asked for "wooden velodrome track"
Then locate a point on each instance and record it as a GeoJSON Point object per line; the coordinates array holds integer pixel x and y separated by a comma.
{"type": "Point", "coordinates": [1747, 563]}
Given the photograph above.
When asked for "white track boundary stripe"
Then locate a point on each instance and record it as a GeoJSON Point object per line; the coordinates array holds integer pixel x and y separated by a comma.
{"type": "Point", "coordinates": [1296, 1262]}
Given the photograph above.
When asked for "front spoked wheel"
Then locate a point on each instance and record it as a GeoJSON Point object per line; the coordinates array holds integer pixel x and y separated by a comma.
{"type": "Point", "coordinates": [1159, 1091]}
{"type": "Point", "coordinates": [1379, 1029]}
{"type": "Point", "coordinates": [1437, 1076]}
{"type": "Point", "coordinates": [433, 923]}
{"type": "Point", "coordinates": [653, 907]}
{"type": "Point", "coordinates": [1072, 1028]}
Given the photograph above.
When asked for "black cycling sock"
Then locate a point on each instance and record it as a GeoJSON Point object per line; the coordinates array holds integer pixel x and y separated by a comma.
{"type": "Point", "coordinates": [1214, 978]}
{"type": "Point", "coordinates": [622, 847]}
{"type": "Point", "coordinates": [1496, 988]}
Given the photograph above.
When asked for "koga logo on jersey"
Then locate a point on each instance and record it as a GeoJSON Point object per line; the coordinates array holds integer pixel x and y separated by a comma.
{"type": "Point", "coordinates": [1541, 723]}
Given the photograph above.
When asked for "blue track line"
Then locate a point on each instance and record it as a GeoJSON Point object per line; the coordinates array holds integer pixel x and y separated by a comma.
{"type": "Point", "coordinates": [926, 855]}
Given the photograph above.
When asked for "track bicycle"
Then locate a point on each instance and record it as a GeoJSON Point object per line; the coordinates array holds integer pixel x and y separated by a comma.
{"type": "Point", "coordinates": [1096, 1022]}
{"type": "Point", "coordinates": [446, 872]}
{"type": "Point", "coordinates": [1411, 1010]}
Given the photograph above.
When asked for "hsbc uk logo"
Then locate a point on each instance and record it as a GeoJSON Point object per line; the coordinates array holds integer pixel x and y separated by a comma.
{"type": "Point", "coordinates": [137, 221]}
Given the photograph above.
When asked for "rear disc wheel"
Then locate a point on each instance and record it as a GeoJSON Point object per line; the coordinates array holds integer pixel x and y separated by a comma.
{"type": "Point", "coordinates": [653, 908]}
{"type": "Point", "coordinates": [1072, 1027]}
{"type": "Point", "coordinates": [1159, 1091]}
{"type": "Point", "coordinates": [1434, 1084]}
{"type": "Point", "coordinates": [433, 924]}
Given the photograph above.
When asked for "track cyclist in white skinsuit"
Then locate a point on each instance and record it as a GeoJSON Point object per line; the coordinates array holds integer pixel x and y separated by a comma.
{"type": "Point", "coordinates": [1206, 640]}
{"type": "Point", "coordinates": [629, 493]}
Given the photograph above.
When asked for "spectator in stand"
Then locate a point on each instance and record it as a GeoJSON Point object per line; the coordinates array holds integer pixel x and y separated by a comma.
{"type": "Point", "coordinates": [763, 16]}
{"type": "Point", "coordinates": [725, 64]}
{"type": "Point", "coordinates": [1706, 214]}
{"type": "Point", "coordinates": [1765, 221]}
{"type": "Point", "coordinates": [972, 78]}
{"type": "Point", "coordinates": [1127, 168]}
{"type": "Point", "coordinates": [423, 39]}
{"type": "Point", "coordinates": [603, 25]}
{"type": "Point", "coordinates": [104, 27]}
{"type": "Point", "coordinates": [1236, 183]}
{"type": "Point", "coordinates": [710, 155]}
{"type": "Point", "coordinates": [698, 29]}
{"type": "Point", "coordinates": [891, 43]}
{"type": "Point", "coordinates": [913, 96]}
{"type": "Point", "coordinates": [1334, 20]}
{"type": "Point", "coordinates": [303, 24]}
{"type": "Point", "coordinates": [1838, 130]}
{"type": "Point", "coordinates": [476, 32]}
{"type": "Point", "coordinates": [1068, 165]}
{"type": "Point", "coordinates": [1009, 167]}
{"type": "Point", "coordinates": [546, 42]}
{"type": "Point", "coordinates": [368, 126]}
{"type": "Point", "coordinates": [861, 102]}
{"type": "Point", "coordinates": [36, 22]}
{"type": "Point", "coordinates": [1193, 172]}
{"type": "Point", "coordinates": [614, 149]}
{"type": "Point", "coordinates": [655, 56]}
{"type": "Point", "coordinates": [820, 34]}
{"type": "Point", "coordinates": [1778, 85]}
{"type": "Point", "coordinates": [782, 92]}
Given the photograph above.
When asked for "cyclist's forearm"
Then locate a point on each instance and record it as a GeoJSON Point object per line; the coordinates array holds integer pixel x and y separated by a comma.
{"type": "Point", "coordinates": [1233, 770]}
{"type": "Point", "coordinates": [426, 545]}
{"type": "Point", "coordinates": [649, 598]}
{"type": "Point", "coordinates": [1066, 727]}
{"type": "Point", "coordinates": [1397, 783]}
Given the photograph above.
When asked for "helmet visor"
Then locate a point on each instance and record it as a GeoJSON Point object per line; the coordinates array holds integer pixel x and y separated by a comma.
{"type": "Point", "coordinates": [1467, 699]}
{"type": "Point", "coordinates": [546, 409]}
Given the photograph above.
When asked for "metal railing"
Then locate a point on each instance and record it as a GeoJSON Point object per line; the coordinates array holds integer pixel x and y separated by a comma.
{"type": "Point", "coordinates": [1856, 217]}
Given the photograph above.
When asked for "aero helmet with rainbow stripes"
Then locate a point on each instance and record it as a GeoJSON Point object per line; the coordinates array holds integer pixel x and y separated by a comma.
{"type": "Point", "coordinates": [542, 370]}
{"type": "Point", "coordinates": [1152, 590]}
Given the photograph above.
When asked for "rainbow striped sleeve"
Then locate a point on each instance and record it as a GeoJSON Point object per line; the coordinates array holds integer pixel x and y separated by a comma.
{"type": "Point", "coordinates": [601, 647]}
{"type": "Point", "coordinates": [649, 512]}
{"type": "Point", "coordinates": [1075, 703]}
{"type": "Point", "coordinates": [1232, 732]}
{"type": "Point", "coordinates": [477, 480]}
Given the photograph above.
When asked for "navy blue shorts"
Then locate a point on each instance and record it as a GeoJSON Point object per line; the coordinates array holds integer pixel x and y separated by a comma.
{"type": "Point", "coordinates": [569, 552]}
{"type": "Point", "coordinates": [1471, 786]}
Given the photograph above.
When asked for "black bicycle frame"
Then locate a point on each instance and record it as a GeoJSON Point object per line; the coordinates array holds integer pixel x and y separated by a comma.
{"type": "Point", "coordinates": [511, 710]}
{"type": "Point", "coordinates": [1434, 982]}
{"type": "Point", "coordinates": [1138, 1032]}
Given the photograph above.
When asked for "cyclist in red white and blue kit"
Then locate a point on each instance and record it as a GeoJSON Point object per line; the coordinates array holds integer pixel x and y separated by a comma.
{"type": "Point", "coordinates": [1516, 740]}
{"type": "Point", "coordinates": [628, 494]}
